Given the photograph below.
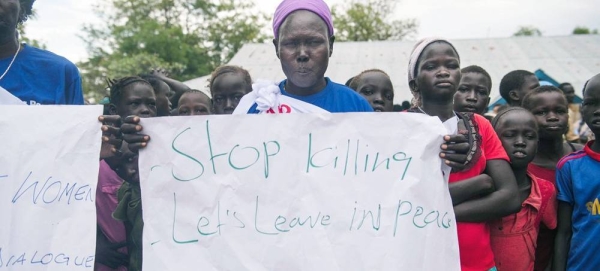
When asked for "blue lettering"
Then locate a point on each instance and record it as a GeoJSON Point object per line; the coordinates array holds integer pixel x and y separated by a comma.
{"type": "Point", "coordinates": [280, 220]}
{"type": "Point", "coordinates": [267, 155]}
{"type": "Point", "coordinates": [256, 221]}
{"type": "Point", "coordinates": [398, 214]}
{"type": "Point", "coordinates": [175, 219]}
{"type": "Point", "coordinates": [201, 169]}
{"type": "Point", "coordinates": [247, 166]}
{"type": "Point", "coordinates": [64, 259]}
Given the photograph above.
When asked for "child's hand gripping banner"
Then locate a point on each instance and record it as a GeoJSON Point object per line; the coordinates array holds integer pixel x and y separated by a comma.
{"type": "Point", "coordinates": [296, 192]}
{"type": "Point", "coordinates": [48, 175]}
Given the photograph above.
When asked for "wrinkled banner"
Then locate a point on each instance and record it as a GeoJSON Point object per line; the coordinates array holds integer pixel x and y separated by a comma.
{"type": "Point", "coordinates": [361, 191]}
{"type": "Point", "coordinates": [48, 175]}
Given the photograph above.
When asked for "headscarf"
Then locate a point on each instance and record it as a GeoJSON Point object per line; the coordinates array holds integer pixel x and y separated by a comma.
{"type": "Point", "coordinates": [414, 58]}
{"type": "Point", "coordinates": [286, 7]}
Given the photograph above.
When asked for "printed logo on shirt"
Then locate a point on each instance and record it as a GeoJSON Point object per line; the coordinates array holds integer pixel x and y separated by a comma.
{"type": "Point", "coordinates": [593, 207]}
{"type": "Point", "coordinates": [283, 109]}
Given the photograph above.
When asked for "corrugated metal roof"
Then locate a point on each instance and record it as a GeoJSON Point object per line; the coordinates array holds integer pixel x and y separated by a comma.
{"type": "Point", "coordinates": [572, 59]}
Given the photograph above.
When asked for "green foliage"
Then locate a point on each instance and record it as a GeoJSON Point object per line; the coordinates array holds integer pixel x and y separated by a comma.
{"type": "Point", "coordinates": [367, 20]}
{"type": "Point", "coordinates": [189, 38]}
{"type": "Point", "coordinates": [582, 30]}
{"type": "Point", "coordinates": [528, 31]}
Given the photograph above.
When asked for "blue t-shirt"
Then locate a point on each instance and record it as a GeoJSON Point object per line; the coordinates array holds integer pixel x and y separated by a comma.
{"type": "Point", "coordinates": [578, 185]}
{"type": "Point", "coordinates": [334, 98]}
{"type": "Point", "coordinates": [41, 77]}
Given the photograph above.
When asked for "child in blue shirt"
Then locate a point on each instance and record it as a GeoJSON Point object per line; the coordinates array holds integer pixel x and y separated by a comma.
{"type": "Point", "coordinates": [578, 186]}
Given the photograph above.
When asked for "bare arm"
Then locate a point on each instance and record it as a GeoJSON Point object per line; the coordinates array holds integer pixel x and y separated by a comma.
{"type": "Point", "coordinates": [477, 186]}
{"type": "Point", "coordinates": [563, 236]}
{"type": "Point", "coordinates": [176, 86]}
{"type": "Point", "coordinates": [502, 202]}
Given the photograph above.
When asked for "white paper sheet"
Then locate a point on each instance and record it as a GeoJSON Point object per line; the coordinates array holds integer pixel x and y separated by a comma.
{"type": "Point", "coordinates": [360, 191]}
{"type": "Point", "coordinates": [48, 175]}
{"type": "Point", "coordinates": [6, 98]}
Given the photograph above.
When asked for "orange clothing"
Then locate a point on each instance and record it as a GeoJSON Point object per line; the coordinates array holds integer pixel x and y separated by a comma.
{"type": "Point", "coordinates": [514, 237]}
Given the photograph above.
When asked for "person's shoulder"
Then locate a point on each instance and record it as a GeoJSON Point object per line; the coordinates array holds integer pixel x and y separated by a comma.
{"type": "Point", "coordinates": [481, 120]}
{"type": "Point", "coordinates": [343, 89]}
{"type": "Point", "coordinates": [570, 158]}
{"type": "Point", "coordinates": [542, 183]}
{"type": "Point", "coordinates": [38, 54]}
{"type": "Point", "coordinates": [350, 98]}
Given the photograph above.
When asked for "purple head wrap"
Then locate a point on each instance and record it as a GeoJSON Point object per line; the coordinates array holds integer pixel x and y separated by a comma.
{"type": "Point", "coordinates": [286, 7]}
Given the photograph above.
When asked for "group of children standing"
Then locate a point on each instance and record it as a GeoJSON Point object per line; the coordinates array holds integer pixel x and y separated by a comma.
{"type": "Point", "coordinates": [525, 199]}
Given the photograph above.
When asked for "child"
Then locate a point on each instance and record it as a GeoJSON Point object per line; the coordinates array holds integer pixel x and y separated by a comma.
{"type": "Point", "coordinates": [578, 195]}
{"type": "Point", "coordinates": [473, 93]}
{"type": "Point", "coordinates": [177, 87]}
{"type": "Point", "coordinates": [550, 108]}
{"type": "Point", "coordinates": [574, 114]}
{"type": "Point", "coordinates": [194, 102]}
{"type": "Point", "coordinates": [434, 75]}
{"type": "Point", "coordinates": [375, 86]}
{"type": "Point", "coordinates": [163, 94]}
{"type": "Point", "coordinates": [516, 84]}
{"type": "Point", "coordinates": [514, 237]}
{"type": "Point", "coordinates": [130, 96]}
{"type": "Point", "coordinates": [129, 209]}
{"type": "Point", "coordinates": [228, 84]}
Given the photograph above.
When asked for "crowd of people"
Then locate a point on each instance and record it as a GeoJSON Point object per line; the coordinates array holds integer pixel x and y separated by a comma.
{"type": "Point", "coordinates": [522, 179]}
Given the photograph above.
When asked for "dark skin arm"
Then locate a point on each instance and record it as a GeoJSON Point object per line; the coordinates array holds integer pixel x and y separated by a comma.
{"type": "Point", "coordinates": [177, 87]}
{"type": "Point", "coordinates": [475, 187]}
{"type": "Point", "coordinates": [111, 136]}
{"type": "Point", "coordinates": [454, 151]}
{"type": "Point", "coordinates": [502, 202]}
{"type": "Point", "coordinates": [107, 254]}
{"type": "Point", "coordinates": [562, 242]}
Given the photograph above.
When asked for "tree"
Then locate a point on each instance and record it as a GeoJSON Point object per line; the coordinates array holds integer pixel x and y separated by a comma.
{"type": "Point", "coordinates": [366, 20]}
{"type": "Point", "coordinates": [189, 38]}
{"type": "Point", "coordinates": [582, 30]}
{"type": "Point", "coordinates": [527, 31]}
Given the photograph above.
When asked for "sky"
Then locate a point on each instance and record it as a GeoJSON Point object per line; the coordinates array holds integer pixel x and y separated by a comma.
{"type": "Point", "coordinates": [59, 23]}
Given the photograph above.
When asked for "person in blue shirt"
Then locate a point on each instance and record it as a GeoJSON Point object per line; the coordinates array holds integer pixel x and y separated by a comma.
{"type": "Point", "coordinates": [31, 74]}
{"type": "Point", "coordinates": [303, 36]}
{"type": "Point", "coordinates": [303, 39]}
{"type": "Point", "coordinates": [576, 246]}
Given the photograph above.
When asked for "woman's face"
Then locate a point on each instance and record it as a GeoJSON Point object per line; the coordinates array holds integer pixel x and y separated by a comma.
{"type": "Point", "coordinates": [438, 73]}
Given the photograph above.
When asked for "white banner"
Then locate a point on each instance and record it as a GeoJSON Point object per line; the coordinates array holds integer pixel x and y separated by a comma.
{"type": "Point", "coordinates": [361, 191]}
{"type": "Point", "coordinates": [48, 175]}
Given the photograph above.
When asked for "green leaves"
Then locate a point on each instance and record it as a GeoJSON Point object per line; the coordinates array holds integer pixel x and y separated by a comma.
{"type": "Point", "coordinates": [367, 20]}
{"type": "Point", "coordinates": [189, 38]}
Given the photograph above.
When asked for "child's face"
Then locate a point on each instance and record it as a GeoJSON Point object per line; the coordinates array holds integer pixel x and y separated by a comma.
{"type": "Point", "coordinates": [125, 165]}
{"type": "Point", "coordinates": [590, 110]}
{"type": "Point", "coordinates": [551, 113]}
{"type": "Point", "coordinates": [137, 99]}
{"type": "Point", "coordinates": [227, 91]}
{"type": "Point", "coordinates": [163, 104]}
{"type": "Point", "coordinates": [378, 90]}
{"type": "Point", "coordinates": [473, 94]}
{"type": "Point", "coordinates": [569, 92]}
{"type": "Point", "coordinates": [518, 133]}
{"type": "Point", "coordinates": [193, 103]}
{"type": "Point", "coordinates": [530, 83]}
{"type": "Point", "coordinates": [438, 72]}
